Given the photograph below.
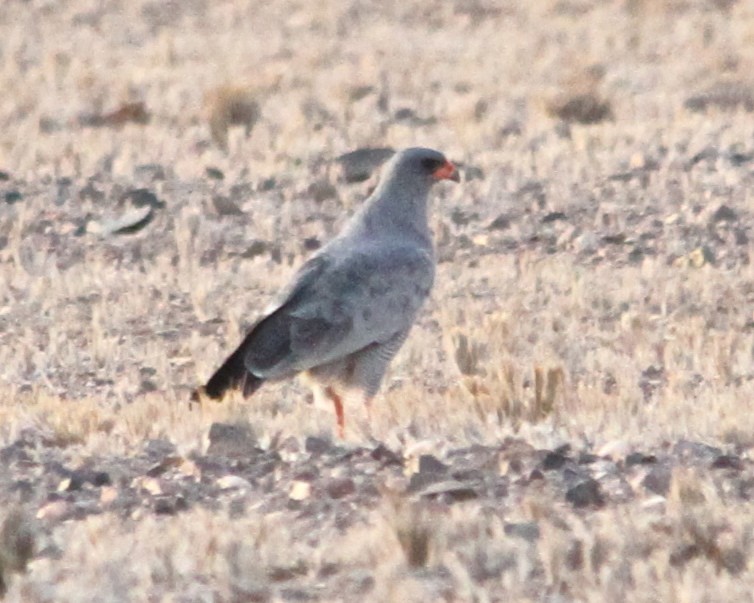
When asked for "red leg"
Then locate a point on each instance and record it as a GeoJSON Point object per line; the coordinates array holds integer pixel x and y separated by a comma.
{"type": "Point", "coordinates": [339, 414]}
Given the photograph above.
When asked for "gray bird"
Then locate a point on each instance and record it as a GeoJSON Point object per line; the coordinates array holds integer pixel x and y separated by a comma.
{"type": "Point", "coordinates": [350, 307]}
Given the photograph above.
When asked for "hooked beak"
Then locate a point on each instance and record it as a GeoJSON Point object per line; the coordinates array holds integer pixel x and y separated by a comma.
{"type": "Point", "coordinates": [447, 171]}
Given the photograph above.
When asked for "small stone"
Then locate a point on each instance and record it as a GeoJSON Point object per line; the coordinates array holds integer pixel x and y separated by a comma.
{"type": "Point", "coordinates": [639, 458]}
{"type": "Point", "coordinates": [454, 489]}
{"type": "Point", "coordinates": [232, 440]}
{"type": "Point", "coordinates": [214, 173]}
{"type": "Point", "coordinates": [224, 206]}
{"type": "Point", "coordinates": [130, 222]}
{"type": "Point", "coordinates": [502, 222]}
{"type": "Point", "coordinates": [689, 450]}
{"type": "Point", "coordinates": [166, 505]}
{"type": "Point", "coordinates": [340, 487]}
{"type": "Point", "coordinates": [728, 461]}
{"type": "Point", "coordinates": [658, 479]}
{"type": "Point", "coordinates": [322, 190]}
{"type": "Point", "coordinates": [150, 171]}
{"type": "Point", "coordinates": [140, 197]}
{"type": "Point", "coordinates": [256, 248]}
{"type": "Point", "coordinates": [586, 494]}
{"type": "Point", "coordinates": [536, 475]}
{"type": "Point", "coordinates": [553, 216]}
{"type": "Point", "coordinates": [108, 495]}
{"type": "Point", "coordinates": [148, 484]}
{"type": "Point", "coordinates": [300, 490]}
{"type": "Point", "coordinates": [528, 531]}
{"type": "Point", "coordinates": [315, 445]}
{"type": "Point", "coordinates": [12, 197]}
{"type": "Point", "coordinates": [233, 482]}
{"type": "Point", "coordinates": [724, 214]}
{"type": "Point", "coordinates": [430, 464]}
{"type": "Point", "coordinates": [553, 461]}
{"type": "Point", "coordinates": [169, 462]}
{"type": "Point", "coordinates": [312, 244]}
{"type": "Point", "coordinates": [55, 510]}
{"type": "Point", "coordinates": [158, 447]}
{"type": "Point", "coordinates": [382, 454]}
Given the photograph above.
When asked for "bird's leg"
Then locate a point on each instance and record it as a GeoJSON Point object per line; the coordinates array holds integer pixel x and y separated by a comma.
{"type": "Point", "coordinates": [339, 414]}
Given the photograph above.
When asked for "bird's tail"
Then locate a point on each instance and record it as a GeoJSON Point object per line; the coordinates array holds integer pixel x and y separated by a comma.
{"type": "Point", "coordinates": [232, 374]}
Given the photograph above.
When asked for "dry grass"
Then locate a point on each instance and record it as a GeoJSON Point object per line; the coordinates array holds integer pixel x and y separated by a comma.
{"type": "Point", "coordinates": [611, 309]}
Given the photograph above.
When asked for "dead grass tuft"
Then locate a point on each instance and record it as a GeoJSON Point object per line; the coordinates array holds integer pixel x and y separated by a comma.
{"type": "Point", "coordinates": [230, 106]}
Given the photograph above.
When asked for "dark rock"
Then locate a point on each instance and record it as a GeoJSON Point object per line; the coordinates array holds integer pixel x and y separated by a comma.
{"type": "Point", "coordinates": [159, 447]}
{"type": "Point", "coordinates": [636, 255]}
{"type": "Point", "coordinates": [581, 108]}
{"type": "Point", "coordinates": [169, 505]}
{"type": "Point", "coordinates": [76, 481]}
{"type": "Point", "coordinates": [651, 378]}
{"type": "Point", "coordinates": [315, 445]}
{"type": "Point", "coordinates": [460, 217]}
{"type": "Point", "coordinates": [739, 159]}
{"type": "Point", "coordinates": [267, 185]}
{"type": "Point", "coordinates": [214, 173]}
{"type": "Point", "coordinates": [615, 239]}
{"type": "Point", "coordinates": [697, 451]}
{"type": "Point", "coordinates": [312, 244]}
{"type": "Point", "coordinates": [285, 573]}
{"type": "Point", "coordinates": [553, 216]}
{"type": "Point", "coordinates": [728, 461]}
{"type": "Point", "coordinates": [410, 116]}
{"type": "Point", "coordinates": [586, 494]}
{"type": "Point", "coordinates": [420, 481]}
{"type": "Point", "coordinates": [140, 197]}
{"type": "Point", "coordinates": [340, 487]}
{"type": "Point", "coordinates": [224, 206]}
{"type": "Point", "coordinates": [12, 197]}
{"type": "Point", "coordinates": [322, 190]}
{"type": "Point", "coordinates": [502, 222]}
{"type": "Point", "coordinates": [430, 464]}
{"type": "Point", "coordinates": [164, 465]}
{"type": "Point", "coordinates": [639, 458]}
{"type": "Point", "coordinates": [382, 454]}
{"type": "Point", "coordinates": [256, 248]}
{"type": "Point", "coordinates": [528, 531]}
{"type": "Point", "coordinates": [232, 440]}
{"type": "Point", "coordinates": [725, 95]}
{"type": "Point", "coordinates": [658, 480]}
{"type": "Point", "coordinates": [90, 192]}
{"type": "Point", "coordinates": [4, 176]}
{"type": "Point", "coordinates": [150, 171]}
{"type": "Point", "coordinates": [553, 461]}
{"type": "Point", "coordinates": [724, 214]}
{"type": "Point", "coordinates": [536, 475]}
{"type": "Point", "coordinates": [587, 458]}
{"type": "Point", "coordinates": [358, 92]}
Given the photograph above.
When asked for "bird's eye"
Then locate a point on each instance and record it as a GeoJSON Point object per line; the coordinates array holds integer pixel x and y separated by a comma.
{"type": "Point", "coordinates": [431, 164]}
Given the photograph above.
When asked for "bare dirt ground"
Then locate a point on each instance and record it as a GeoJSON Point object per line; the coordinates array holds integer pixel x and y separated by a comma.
{"type": "Point", "coordinates": [571, 418]}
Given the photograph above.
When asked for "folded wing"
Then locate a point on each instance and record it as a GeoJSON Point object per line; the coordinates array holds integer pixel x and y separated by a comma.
{"type": "Point", "coordinates": [339, 305]}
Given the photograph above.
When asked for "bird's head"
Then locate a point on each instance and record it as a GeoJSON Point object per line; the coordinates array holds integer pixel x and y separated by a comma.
{"type": "Point", "coordinates": [420, 164]}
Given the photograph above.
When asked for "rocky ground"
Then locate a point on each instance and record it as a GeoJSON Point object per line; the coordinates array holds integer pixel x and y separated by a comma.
{"type": "Point", "coordinates": [569, 421]}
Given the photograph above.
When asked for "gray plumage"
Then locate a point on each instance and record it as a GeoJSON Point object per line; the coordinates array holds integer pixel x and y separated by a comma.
{"type": "Point", "coordinates": [350, 307]}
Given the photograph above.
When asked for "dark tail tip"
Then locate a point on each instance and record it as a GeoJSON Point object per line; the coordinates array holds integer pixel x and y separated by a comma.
{"type": "Point", "coordinates": [232, 374]}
